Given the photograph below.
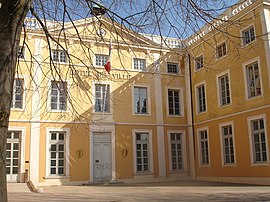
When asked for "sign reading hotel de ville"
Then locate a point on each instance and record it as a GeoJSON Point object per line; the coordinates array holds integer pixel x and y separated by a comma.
{"type": "Point", "coordinates": [214, 25]}
{"type": "Point", "coordinates": [119, 76]}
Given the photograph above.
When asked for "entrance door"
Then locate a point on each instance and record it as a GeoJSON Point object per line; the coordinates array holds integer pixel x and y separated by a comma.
{"type": "Point", "coordinates": [102, 157]}
{"type": "Point", "coordinates": [13, 156]}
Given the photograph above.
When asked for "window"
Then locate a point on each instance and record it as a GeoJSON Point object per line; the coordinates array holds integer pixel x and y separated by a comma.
{"type": "Point", "coordinates": [224, 90]}
{"type": "Point", "coordinates": [17, 97]}
{"type": "Point", "coordinates": [221, 50]}
{"type": "Point", "coordinates": [199, 62]}
{"type": "Point", "coordinates": [59, 56]}
{"type": "Point", "coordinates": [176, 151]}
{"type": "Point", "coordinates": [201, 100]}
{"type": "Point", "coordinates": [140, 100]}
{"type": "Point", "coordinates": [258, 141]}
{"type": "Point", "coordinates": [139, 64]}
{"type": "Point", "coordinates": [21, 52]}
{"type": "Point", "coordinates": [248, 35]}
{"type": "Point", "coordinates": [228, 145]}
{"type": "Point", "coordinates": [174, 102]}
{"type": "Point", "coordinates": [142, 152]}
{"type": "Point", "coordinates": [253, 80]}
{"type": "Point", "coordinates": [204, 149]}
{"type": "Point", "coordinates": [101, 60]}
{"type": "Point", "coordinates": [57, 153]}
{"type": "Point", "coordinates": [59, 95]}
{"type": "Point", "coordinates": [172, 68]}
{"type": "Point", "coordinates": [102, 98]}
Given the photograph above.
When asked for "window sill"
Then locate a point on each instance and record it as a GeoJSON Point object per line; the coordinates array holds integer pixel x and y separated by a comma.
{"type": "Point", "coordinates": [175, 116]}
{"type": "Point", "coordinates": [250, 43]}
{"type": "Point", "coordinates": [142, 114]}
{"type": "Point", "coordinates": [255, 97]}
{"type": "Point", "coordinates": [260, 164]}
{"type": "Point", "coordinates": [56, 177]}
{"type": "Point", "coordinates": [17, 109]}
{"type": "Point", "coordinates": [57, 111]}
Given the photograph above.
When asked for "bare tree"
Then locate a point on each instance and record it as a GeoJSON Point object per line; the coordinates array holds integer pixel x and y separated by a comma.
{"type": "Point", "coordinates": [177, 18]}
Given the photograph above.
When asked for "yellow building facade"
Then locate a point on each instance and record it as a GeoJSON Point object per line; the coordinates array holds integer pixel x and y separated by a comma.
{"type": "Point", "coordinates": [160, 113]}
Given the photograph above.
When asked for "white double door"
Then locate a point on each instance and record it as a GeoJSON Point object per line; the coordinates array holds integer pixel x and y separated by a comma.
{"type": "Point", "coordinates": [102, 157]}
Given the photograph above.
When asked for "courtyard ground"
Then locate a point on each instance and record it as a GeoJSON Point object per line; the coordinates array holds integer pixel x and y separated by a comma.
{"type": "Point", "coordinates": [163, 191]}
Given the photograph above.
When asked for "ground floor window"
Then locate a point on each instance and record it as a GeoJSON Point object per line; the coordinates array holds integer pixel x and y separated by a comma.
{"type": "Point", "coordinates": [142, 152]}
{"type": "Point", "coordinates": [203, 147]}
{"type": "Point", "coordinates": [259, 141]}
{"type": "Point", "coordinates": [176, 151]}
{"type": "Point", "coordinates": [57, 153]}
{"type": "Point", "coordinates": [228, 145]}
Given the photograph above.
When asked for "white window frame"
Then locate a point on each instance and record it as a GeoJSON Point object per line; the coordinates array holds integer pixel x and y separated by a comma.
{"type": "Point", "coordinates": [244, 66]}
{"type": "Point", "coordinates": [139, 58]}
{"type": "Point", "coordinates": [67, 156]}
{"type": "Point", "coordinates": [197, 98]}
{"type": "Point", "coordinates": [226, 50]}
{"type": "Point", "coordinates": [221, 125]}
{"type": "Point", "coordinates": [22, 131]}
{"type": "Point", "coordinates": [195, 62]}
{"type": "Point", "coordinates": [109, 94]}
{"type": "Point", "coordinates": [184, 155]}
{"type": "Point", "coordinates": [59, 51]}
{"type": "Point", "coordinates": [251, 146]}
{"type": "Point", "coordinates": [49, 108]}
{"type": "Point", "coordinates": [24, 94]}
{"type": "Point", "coordinates": [148, 107]}
{"type": "Point", "coordinates": [199, 146]}
{"type": "Point", "coordinates": [181, 100]}
{"type": "Point", "coordinates": [150, 143]}
{"type": "Point", "coordinates": [103, 55]}
{"type": "Point", "coordinates": [219, 93]}
{"type": "Point", "coordinates": [245, 29]}
{"type": "Point", "coordinates": [173, 63]}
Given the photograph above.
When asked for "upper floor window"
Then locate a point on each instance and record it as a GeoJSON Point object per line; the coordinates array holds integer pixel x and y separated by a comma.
{"type": "Point", "coordinates": [59, 95]}
{"type": "Point", "coordinates": [224, 90]}
{"type": "Point", "coordinates": [253, 80]}
{"type": "Point", "coordinates": [221, 50]}
{"type": "Point", "coordinates": [174, 102]}
{"type": "Point", "coordinates": [17, 97]}
{"type": "Point", "coordinates": [21, 52]}
{"type": "Point", "coordinates": [140, 100]}
{"type": "Point", "coordinates": [172, 68]}
{"type": "Point", "coordinates": [201, 99]}
{"type": "Point", "coordinates": [248, 35]}
{"type": "Point", "coordinates": [199, 62]}
{"type": "Point", "coordinates": [101, 60]}
{"type": "Point", "coordinates": [102, 98]}
{"type": "Point", "coordinates": [139, 64]}
{"type": "Point", "coordinates": [59, 56]}
{"type": "Point", "coordinates": [259, 143]}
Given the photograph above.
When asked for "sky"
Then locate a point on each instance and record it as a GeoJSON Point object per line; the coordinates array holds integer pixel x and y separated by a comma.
{"type": "Point", "coordinates": [169, 18]}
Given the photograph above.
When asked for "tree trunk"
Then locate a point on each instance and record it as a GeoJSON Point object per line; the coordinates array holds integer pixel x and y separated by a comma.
{"type": "Point", "coordinates": [12, 15]}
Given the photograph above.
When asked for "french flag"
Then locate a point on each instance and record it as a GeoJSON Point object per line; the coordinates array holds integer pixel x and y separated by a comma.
{"type": "Point", "coordinates": [108, 64]}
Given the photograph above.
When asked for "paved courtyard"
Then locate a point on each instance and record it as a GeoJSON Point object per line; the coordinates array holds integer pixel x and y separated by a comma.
{"type": "Point", "coordinates": [166, 191]}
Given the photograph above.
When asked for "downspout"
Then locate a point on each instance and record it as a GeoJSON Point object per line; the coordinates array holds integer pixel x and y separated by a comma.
{"type": "Point", "coordinates": [192, 116]}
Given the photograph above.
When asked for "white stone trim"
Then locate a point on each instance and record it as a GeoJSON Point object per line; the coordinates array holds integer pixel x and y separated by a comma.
{"type": "Point", "coordinates": [241, 34]}
{"type": "Point", "coordinates": [251, 147]}
{"type": "Point", "coordinates": [139, 58]}
{"type": "Point", "coordinates": [149, 131]}
{"type": "Point", "coordinates": [230, 123]}
{"type": "Point", "coordinates": [227, 52]}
